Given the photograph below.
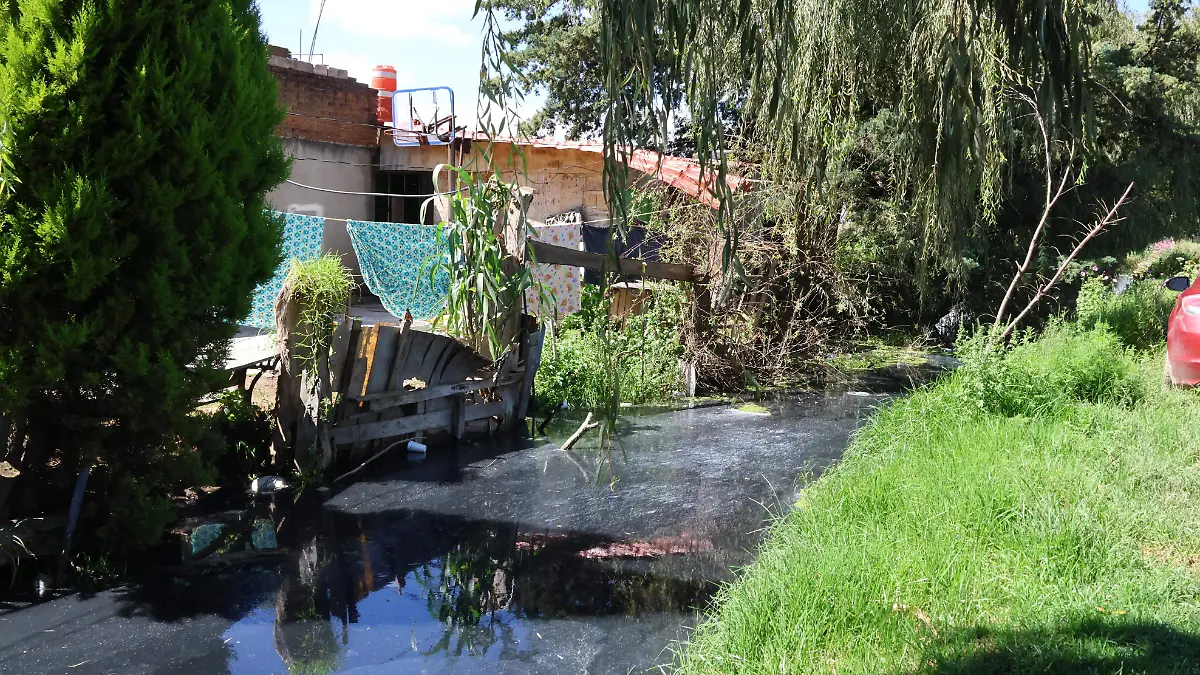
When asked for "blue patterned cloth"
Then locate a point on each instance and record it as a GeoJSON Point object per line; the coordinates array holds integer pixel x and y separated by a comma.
{"type": "Point", "coordinates": [301, 241]}
{"type": "Point", "coordinates": [397, 260]}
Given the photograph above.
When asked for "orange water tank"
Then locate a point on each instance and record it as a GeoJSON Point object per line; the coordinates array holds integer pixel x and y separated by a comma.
{"type": "Point", "coordinates": [383, 79]}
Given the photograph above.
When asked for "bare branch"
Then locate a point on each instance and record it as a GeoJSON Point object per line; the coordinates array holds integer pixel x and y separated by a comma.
{"type": "Point", "coordinates": [1052, 197]}
{"type": "Point", "coordinates": [1100, 225]}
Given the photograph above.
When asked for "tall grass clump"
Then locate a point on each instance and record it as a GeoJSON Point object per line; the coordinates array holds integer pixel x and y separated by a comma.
{"type": "Point", "coordinates": [1138, 317]}
{"type": "Point", "coordinates": [1032, 512]}
{"type": "Point", "coordinates": [1046, 376]}
{"type": "Point", "coordinates": [321, 287]}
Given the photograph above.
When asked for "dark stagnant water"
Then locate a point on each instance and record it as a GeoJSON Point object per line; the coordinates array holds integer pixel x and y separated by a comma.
{"type": "Point", "coordinates": [489, 558]}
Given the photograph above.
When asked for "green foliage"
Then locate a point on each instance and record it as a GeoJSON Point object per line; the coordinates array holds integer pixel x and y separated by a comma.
{"type": "Point", "coordinates": [957, 540]}
{"type": "Point", "coordinates": [1143, 130]}
{"type": "Point", "coordinates": [245, 432]}
{"type": "Point", "coordinates": [138, 515]}
{"type": "Point", "coordinates": [1138, 317]}
{"type": "Point", "coordinates": [487, 286]}
{"type": "Point", "coordinates": [1047, 376]}
{"type": "Point", "coordinates": [138, 146]}
{"type": "Point", "coordinates": [1166, 259]}
{"type": "Point", "coordinates": [812, 67]}
{"type": "Point", "coordinates": [555, 47]}
{"type": "Point", "coordinates": [322, 288]}
{"type": "Point", "coordinates": [644, 352]}
{"type": "Point", "coordinates": [929, 187]}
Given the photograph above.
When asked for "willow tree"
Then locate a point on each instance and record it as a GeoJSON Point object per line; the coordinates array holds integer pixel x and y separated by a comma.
{"type": "Point", "coordinates": [815, 68]}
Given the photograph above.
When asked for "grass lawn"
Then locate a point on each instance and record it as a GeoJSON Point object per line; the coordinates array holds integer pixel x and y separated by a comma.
{"type": "Point", "coordinates": [1037, 511]}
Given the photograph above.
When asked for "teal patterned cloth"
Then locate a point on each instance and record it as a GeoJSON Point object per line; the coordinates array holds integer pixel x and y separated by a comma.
{"type": "Point", "coordinates": [301, 241]}
{"type": "Point", "coordinates": [396, 261]}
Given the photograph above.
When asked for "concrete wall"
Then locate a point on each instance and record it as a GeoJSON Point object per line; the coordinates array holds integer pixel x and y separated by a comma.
{"type": "Point", "coordinates": [331, 131]}
{"type": "Point", "coordinates": [562, 179]}
{"type": "Point", "coordinates": [331, 166]}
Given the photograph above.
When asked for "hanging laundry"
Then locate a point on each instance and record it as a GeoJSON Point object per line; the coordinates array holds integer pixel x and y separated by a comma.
{"type": "Point", "coordinates": [301, 241]}
{"type": "Point", "coordinates": [564, 283]}
{"type": "Point", "coordinates": [637, 244]}
{"type": "Point", "coordinates": [397, 260]}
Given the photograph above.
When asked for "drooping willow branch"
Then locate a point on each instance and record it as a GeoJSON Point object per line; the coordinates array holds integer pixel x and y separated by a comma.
{"type": "Point", "coordinates": [811, 68]}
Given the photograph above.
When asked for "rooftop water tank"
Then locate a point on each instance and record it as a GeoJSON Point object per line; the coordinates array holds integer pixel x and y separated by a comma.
{"type": "Point", "coordinates": [383, 80]}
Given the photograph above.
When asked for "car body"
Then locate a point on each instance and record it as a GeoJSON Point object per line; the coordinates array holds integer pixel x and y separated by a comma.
{"type": "Point", "coordinates": [1183, 334]}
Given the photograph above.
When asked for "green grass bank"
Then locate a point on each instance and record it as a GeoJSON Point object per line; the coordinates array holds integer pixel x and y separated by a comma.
{"type": "Point", "coordinates": [1036, 511]}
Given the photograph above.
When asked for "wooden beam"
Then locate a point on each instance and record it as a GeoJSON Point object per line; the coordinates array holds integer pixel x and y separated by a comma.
{"type": "Point", "coordinates": [549, 254]}
{"type": "Point", "coordinates": [481, 411]}
{"type": "Point", "coordinates": [439, 419]}
{"type": "Point", "coordinates": [387, 429]}
{"type": "Point", "coordinates": [387, 399]}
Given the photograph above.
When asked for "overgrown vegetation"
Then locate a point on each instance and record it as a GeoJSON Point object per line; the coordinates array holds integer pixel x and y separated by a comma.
{"type": "Point", "coordinates": [321, 287]}
{"type": "Point", "coordinates": [867, 210]}
{"type": "Point", "coordinates": [1031, 512]}
{"type": "Point", "coordinates": [1137, 317]}
{"type": "Point", "coordinates": [644, 350]}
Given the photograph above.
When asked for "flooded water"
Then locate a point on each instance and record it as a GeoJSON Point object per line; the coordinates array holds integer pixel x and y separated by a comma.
{"type": "Point", "coordinates": [481, 559]}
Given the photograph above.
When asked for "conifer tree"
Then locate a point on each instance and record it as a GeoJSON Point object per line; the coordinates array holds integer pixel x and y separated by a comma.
{"type": "Point", "coordinates": [137, 149]}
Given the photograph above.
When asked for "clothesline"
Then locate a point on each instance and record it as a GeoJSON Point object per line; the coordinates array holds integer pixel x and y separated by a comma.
{"type": "Point", "coordinates": [582, 222]}
{"type": "Point", "coordinates": [361, 194]}
{"type": "Point", "coordinates": [395, 259]}
{"type": "Point", "coordinates": [380, 165]}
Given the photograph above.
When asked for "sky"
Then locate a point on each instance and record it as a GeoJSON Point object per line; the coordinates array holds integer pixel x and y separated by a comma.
{"type": "Point", "coordinates": [429, 43]}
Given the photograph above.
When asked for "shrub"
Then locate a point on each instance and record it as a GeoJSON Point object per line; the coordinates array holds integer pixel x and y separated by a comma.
{"type": "Point", "coordinates": [138, 146]}
{"type": "Point", "coordinates": [1167, 259]}
{"type": "Point", "coordinates": [1042, 378]}
{"type": "Point", "coordinates": [1138, 317]}
{"type": "Point", "coordinates": [645, 350]}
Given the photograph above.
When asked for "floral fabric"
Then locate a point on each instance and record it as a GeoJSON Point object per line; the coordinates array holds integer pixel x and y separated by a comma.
{"type": "Point", "coordinates": [565, 284]}
{"type": "Point", "coordinates": [302, 237]}
{"type": "Point", "coordinates": [397, 260]}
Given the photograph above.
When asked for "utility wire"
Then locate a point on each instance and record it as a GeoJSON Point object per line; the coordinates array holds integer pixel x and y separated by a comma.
{"type": "Point", "coordinates": [440, 194]}
{"type": "Point", "coordinates": [362, 194]}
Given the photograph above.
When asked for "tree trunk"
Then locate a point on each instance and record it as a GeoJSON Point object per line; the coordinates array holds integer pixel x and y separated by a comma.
{"type": "Point", "coordinates": [301, 435]}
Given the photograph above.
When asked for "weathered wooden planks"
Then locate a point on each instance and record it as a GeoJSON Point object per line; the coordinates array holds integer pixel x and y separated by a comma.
{"type": "Point", "coordinates": [438, 419]}
{"type": "Point", "coordinates": [549, 254]}
{"type": "Point", "coordinates": [404, 397]}
{"type": "Point", "coordinates": [381, 359]}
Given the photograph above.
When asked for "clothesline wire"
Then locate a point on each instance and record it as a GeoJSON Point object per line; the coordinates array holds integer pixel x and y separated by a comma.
{"type": "Point", "coordinates": [582, 222]}
{"type": "Point", "coordinates": [396, 167]}
{"type": "Point", "coordinates": [442, 194]}
{"type": "Point", "coordinates": [335, 119]}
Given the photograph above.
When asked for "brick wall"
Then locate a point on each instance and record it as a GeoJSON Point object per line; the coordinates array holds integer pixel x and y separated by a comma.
{"type": "Point", "coordinates": [327, 104]}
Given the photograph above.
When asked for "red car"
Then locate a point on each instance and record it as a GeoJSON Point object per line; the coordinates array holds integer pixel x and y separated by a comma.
{"type": "Point", "coordinates": [1183, 334]}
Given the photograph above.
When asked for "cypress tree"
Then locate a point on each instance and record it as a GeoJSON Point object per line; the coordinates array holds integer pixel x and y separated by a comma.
{"type": "Point", "coordinates": [137, 150]}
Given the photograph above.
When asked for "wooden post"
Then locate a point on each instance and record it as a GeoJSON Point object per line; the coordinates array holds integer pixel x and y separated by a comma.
{"type": "Point", "coordinates": [701, 328]}
{"type": "Point", "coordinates": [460, 416]}
{"type": "Point", "coordinates": [301, 435]}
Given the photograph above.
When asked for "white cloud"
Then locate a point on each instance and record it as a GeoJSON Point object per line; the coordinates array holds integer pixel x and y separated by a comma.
{"type": "Point", "coordinates": [447, 21]}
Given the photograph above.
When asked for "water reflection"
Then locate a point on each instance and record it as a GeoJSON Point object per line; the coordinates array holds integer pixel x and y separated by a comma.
{"type": "Point", "coordinates": [360, 591]}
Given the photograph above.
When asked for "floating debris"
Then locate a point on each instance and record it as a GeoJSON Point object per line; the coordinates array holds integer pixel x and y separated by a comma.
{"type": "Point", "coordinates": [41, 586]}
{"type": "Point", "coordinates": [267, 485]}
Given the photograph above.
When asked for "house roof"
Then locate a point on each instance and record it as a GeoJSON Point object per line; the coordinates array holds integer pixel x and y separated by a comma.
{"type": "Point", "coordinates": [681, 173]}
